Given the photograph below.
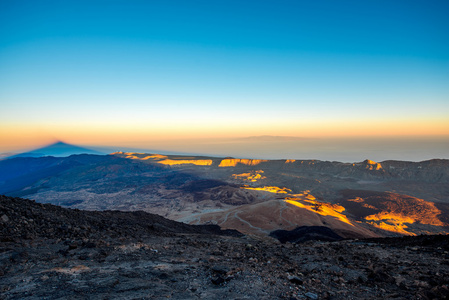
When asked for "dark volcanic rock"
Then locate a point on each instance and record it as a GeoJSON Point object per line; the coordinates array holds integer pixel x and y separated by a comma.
{"type": "Point", "coordinates": [295, 279]}
{"type": "Point", "coordinates": [26, 219]}
{"type": "Point", "coordinates": [306, 233]}
{"type": "Point", "coordinates": [431, 241]}
{"type": "Point", "coordinates": [47, 252]}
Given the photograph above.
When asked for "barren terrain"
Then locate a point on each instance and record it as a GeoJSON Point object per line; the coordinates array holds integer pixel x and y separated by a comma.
{"type": "Point", "coordinates": [47, 252]}
{"type": "Point", "coordinates": [365, 199]}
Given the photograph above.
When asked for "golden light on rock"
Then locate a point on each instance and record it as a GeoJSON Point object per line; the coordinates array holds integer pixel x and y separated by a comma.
{"type": "Point", "coordinates": [395, 227]}
{"type": "Point", "coordinates": [197, 162]}
{"type": "Point", "coordinates": [163, 159]}
{"type": "Point", "coordinates": [396, 213]}
{"type": "Point", "coordinates": [322, 208]}
{"type": "Point", "coordinates": [390, 216]}
{"type": "Point", "coordinates": [232, 162]}
{"type": "Point", "coordinates": [372, 165]}
{"type": "Point", "coordinates": [252, 176]}
{"type": "Point", "coordinates": [395, 222]}
{"type": "Point", "coordinates": [143, 156]}
{"type": "Point", "coordinates": [271, 189]}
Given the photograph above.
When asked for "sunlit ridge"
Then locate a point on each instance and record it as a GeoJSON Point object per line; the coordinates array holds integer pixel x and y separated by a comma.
{"type": "Point", "coordinates": [198, 162]}
{"type": "Point", "coordinates": [371, 165]}
{"type": "Point", "coordinates": [163, 159]}
{"type": "Point", "coordinates": [397, 222]}
{"type": "Point", "coordinates": [232, 162]}
{"type": "Point", "coordinates": [252, 176]}
{"type": "Point", "coordinates": [322, 208]}
{"type": "Point", "coordinates": [271, 189]}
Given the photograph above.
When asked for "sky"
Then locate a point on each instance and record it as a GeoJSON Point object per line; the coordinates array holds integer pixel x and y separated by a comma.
{"type": "Point", "coordinates": [197, 75]}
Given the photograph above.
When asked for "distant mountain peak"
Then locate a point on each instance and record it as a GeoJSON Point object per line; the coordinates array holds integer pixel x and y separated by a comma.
{"type": "Point", "coordinates": [369, 162]}
{"type": "Point", "coordinates": [61, 144]}
{"type": "Point", "coordinates": [372, 165]}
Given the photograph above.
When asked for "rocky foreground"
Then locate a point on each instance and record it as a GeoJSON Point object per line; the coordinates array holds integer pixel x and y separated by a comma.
{"type": "Point", "coordinates": [47, 252]}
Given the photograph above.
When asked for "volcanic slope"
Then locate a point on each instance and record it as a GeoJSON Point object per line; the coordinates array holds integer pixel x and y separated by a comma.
{"type": "Point", "coordinates": [252, 196]}
{"type": "Point", "coordinates": [48, 252]}
{"type": "Point", "coordinates": [108, 182]}
{"type": "Point", "coordinates": [396, 213]}
{"type": "Point", "coordinates": [359, 214]}
{"type": "Point", "coordinates": [427, 180]}
{"type": "Point", "coordinates": [308, 193]}
{"type": "Point", "coordinates": [262, 218]}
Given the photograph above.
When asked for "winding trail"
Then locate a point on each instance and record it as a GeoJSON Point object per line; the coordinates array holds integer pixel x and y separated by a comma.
{"type": "Point", "coordinates": [225, 219]}
{"type": "Point", "coordinates": [250, 225]}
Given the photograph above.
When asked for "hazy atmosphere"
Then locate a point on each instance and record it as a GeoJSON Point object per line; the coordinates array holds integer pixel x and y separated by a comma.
{"type": "Point", "coordinates": [344, 80]}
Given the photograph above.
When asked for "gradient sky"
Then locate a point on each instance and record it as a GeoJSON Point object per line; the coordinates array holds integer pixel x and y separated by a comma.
{"type": "Point", "coordinates": [138, 73]}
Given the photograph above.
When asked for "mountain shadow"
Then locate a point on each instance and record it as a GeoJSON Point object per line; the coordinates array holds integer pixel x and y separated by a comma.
{"type": "Point", "coordinates": [58, 149]}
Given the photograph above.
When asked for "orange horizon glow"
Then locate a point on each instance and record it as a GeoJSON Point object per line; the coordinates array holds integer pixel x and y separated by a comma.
{"type": "Point", "coordinates": [15, 135]}
{"type": "Point", "coordinates": [130, 88]}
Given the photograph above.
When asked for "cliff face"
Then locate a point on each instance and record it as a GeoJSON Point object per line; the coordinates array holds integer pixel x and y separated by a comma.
{"type": "Point", "coordinates": [435, 170]}
{"type": "Point", "coordinates": [197, 162]}
{"type": "Point", "coordinates": [232, 162]}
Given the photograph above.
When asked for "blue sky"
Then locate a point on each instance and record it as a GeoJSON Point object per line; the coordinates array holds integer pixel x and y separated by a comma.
{"type": "Point", "coordinates": [138, 71]}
